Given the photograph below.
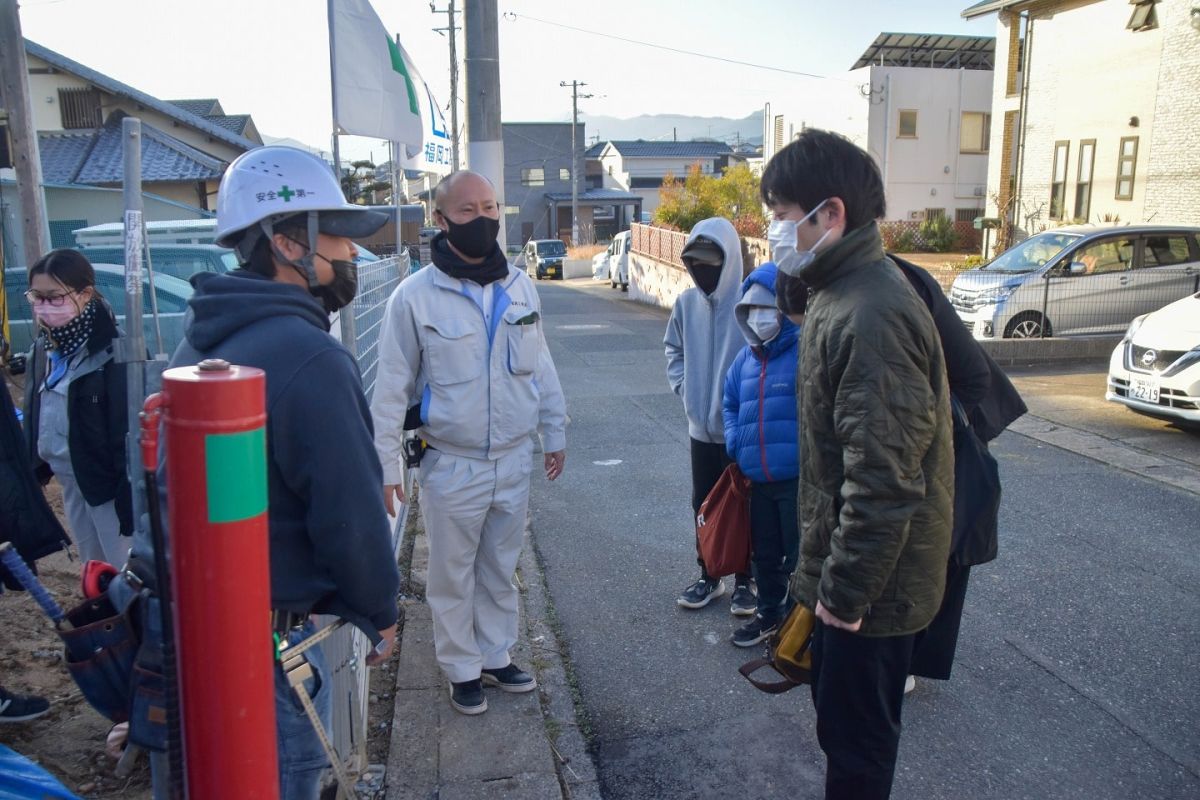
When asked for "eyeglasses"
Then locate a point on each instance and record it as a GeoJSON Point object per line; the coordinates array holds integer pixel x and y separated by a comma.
{"type": "Point", "coordinates": [55, 300]}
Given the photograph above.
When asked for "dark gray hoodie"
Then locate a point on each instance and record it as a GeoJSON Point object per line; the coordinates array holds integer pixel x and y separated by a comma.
{"type": "Point", "coordinates": [330, 544]}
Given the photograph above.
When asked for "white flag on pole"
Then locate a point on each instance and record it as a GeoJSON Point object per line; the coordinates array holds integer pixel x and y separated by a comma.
{"type": "Point", "coordinates": [377, 89]}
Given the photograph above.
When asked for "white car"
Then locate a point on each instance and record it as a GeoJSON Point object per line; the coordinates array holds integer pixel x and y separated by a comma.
{"type": "Point", "coordinates": [600, 266]}
{"type": "Point", "coordinates": [618, 260]}
{"type": "Point", "coordinates": [1155, 370]}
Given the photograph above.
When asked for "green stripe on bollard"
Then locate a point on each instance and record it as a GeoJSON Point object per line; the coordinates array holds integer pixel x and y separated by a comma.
{"type": "Point", "coordinates": [236, 468]}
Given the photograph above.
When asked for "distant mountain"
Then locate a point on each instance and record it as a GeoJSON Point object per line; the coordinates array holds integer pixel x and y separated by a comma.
{"type": "Point", "coordinates": [664, 127]}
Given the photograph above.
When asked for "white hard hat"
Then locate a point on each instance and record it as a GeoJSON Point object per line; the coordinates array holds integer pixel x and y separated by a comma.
{"type": "Point", "coordinates": [275, 182]}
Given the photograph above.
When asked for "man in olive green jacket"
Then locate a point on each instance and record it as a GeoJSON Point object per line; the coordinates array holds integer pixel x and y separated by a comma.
{"type": "Point", "coordinates": [877, 465]}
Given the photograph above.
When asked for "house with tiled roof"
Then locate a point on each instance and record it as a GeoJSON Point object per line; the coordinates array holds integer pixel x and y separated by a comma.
{"type": "Point", "coordinates": [77, 113]}
{"type": "Point", "coordinates": [640, 166]}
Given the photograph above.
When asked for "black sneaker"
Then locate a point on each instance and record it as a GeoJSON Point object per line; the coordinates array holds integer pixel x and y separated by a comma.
{"type": "Point", "coordinates": [509, 679]}
{"type": "Point", "coordinates": [755, 631]}
{"type": "Point", "coordinates": [701, 593]}
{"type": "Point", "coordinates": [21, 708]}
{"type": "Point", "coordinates": [744, 601]}
{"type": "Point", "coordinates": [467, 697]}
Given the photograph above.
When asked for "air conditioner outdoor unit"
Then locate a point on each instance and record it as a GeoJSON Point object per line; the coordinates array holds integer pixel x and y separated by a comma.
{"type": "Point", "coordinates": [916, 215]}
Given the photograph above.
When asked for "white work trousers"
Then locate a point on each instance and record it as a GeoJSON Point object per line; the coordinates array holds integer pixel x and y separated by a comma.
{"type": "Point", "coordinates": [95, 529]}
{"type": "Point", "coordinates": [474, 512]}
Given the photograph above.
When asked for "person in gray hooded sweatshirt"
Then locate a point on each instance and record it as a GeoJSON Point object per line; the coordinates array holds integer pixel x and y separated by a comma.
{"type": "Point", "coordinates": [701, 341]}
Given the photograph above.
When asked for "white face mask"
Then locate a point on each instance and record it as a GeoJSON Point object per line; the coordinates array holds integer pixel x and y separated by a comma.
{"type": "Point", "coordinates": [781, 235]}
{"type": "Point", "coordinates": [764, 322]}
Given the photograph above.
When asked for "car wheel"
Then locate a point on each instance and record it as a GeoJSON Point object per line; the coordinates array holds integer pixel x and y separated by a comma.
{"type": "Point", "coordinates": [624, 287]}
{"type": "Point", "coordinates": [1027, 325]}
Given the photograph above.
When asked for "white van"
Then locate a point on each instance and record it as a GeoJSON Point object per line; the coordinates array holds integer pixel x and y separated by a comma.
{"type": "Point", "coordinates": [618, 260]}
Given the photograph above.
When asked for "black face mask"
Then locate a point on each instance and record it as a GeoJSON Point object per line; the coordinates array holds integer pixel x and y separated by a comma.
{"type": "Point", "coordinates": [706, 276]}
{"type": "Point", "coordinates": [474, 239]}
{"type": "Point", "coordinates": [341, 291]}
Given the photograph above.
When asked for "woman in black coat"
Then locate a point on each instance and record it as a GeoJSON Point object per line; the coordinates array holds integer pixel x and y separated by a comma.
{"type": "Point", "coordinates": [991, 403]}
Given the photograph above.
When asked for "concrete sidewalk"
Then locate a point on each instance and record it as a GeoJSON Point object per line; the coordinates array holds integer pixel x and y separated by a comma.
{"type": "Point", "coordinates": [527, 746]}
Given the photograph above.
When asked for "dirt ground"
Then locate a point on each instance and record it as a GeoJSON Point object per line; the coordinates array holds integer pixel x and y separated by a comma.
{"type": "Point", "coordinates": [69, 742]}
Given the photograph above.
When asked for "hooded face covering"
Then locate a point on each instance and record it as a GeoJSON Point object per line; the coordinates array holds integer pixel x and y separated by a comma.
{"type": "Point", "coordinates": [704, 259]}
{"type": "Point", "coordinates": [781, 234]}
{"type": "Point", "coordinates": [474, 239]}
{"type": "Point", "coordinates": [764, 322]}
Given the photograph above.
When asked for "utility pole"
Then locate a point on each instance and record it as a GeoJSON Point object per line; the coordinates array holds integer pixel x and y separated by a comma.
{"type": "Point", "coordinates": [14, 90]}
{"type": "Point", "coordinates": [575, 95]}
{"type": "Point", "coordinates": [485, 148]}
{"type": "Point", "coordinates": [449, 12]}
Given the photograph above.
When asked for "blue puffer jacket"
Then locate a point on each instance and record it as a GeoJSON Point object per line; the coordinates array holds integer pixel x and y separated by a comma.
{"type": "Point", "coordinates": [761, 430]}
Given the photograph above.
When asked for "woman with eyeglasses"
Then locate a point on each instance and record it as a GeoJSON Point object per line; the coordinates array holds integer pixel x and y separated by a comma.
{"type": "Point", "coordinates": [75, 404]}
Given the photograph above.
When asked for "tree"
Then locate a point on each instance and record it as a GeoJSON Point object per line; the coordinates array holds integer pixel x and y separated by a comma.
{"type": "Point", "coordinates": [733, 195]}
{"type": "Point", "coordinates": [359, 184]}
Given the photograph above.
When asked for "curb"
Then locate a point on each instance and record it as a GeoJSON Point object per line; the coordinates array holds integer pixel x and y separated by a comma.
{"type": "Point", "coordinates": [576, 770]}
{"type": "Point", "coordinates": [1162, 469]}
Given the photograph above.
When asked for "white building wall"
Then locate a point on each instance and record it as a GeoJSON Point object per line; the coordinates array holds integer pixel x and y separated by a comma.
{"type": "Point", "coordinates": [928, 171]}
{"type": "Point", "coordinates": [1152, 75]}
{"type": "Point", "coordinates": [1172, 176]}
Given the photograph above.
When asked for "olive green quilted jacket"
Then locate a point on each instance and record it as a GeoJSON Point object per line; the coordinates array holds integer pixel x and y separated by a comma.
{"type": "Point", "coordinates": [877, 464]}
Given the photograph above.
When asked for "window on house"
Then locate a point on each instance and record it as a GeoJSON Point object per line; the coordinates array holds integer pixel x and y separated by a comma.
{"type": "Point", "coordinates": [1083, 179]}
{"type": "Point", "coordinates": [564, 174]}
{"type": "Point", "coordinates": [1144, 17]}
{"type": "Point", "coordinates": [908, 125]}
{"type": "Point", "coordinates": [80, 108]}
{"type": "Point", "coordinates": [974, 132]}
{"type": "Point", "coordinates": [1058, 180]}
{"type": "Point", "coordinates": [512, 209]}
{"type": "Point", "coordinates": [1126, 167]}
{"type": "Point", "coordinates": [535, 176]}
{"type": "Point", "coordinates": [967, 214]}
{"type": "Point", "coordinates": [935, 213]}
{"type": "Point", "coordinates": [5, 153]}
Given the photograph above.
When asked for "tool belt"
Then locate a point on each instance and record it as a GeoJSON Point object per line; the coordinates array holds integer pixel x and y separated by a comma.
{"type": "Point", "coordinates": [283, 621]}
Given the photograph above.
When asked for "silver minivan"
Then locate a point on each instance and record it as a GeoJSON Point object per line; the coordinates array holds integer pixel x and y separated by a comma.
{"type": "Point", "coordinates": [1078, 280]}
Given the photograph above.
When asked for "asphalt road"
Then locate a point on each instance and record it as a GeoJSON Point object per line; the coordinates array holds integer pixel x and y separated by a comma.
{"type": "Point", "coordinates": [1077, 671]}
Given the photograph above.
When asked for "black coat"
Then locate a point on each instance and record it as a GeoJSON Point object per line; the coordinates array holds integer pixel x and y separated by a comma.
{"type": "Point", "coordinates": [991, 401]}
{"type": "Point", "coordinates": [25, 517]}
{"type": "Point", "coordinates": [98, 422]}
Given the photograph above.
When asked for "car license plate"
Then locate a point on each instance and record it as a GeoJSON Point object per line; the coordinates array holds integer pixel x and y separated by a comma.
{"type": "Point", "coordinates": [551, 271]}
{"type": "Point", "coordinates": [1143, 389]}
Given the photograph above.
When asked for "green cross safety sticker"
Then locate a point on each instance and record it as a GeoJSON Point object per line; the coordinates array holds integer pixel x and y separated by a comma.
{"type": "Point", "coordinates": [235, 466]}
{"type": "Point", "coordinates": [286, 193]}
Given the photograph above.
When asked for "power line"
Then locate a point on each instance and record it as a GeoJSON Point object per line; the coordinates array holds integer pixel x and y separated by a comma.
{"type": "Point", "coordinates": [513, 16]}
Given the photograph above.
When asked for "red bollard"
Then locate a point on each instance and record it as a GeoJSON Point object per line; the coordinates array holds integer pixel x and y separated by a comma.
{"type": "Point", "coordinates": [215, 417]}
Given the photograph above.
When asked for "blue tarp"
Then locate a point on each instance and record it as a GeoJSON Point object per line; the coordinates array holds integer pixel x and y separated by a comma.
{"type": "Point", "coordinates": [21, 779]}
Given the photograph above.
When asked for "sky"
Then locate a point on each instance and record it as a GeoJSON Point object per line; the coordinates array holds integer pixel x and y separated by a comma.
{"type": "Point", "coordinates": [270, 58]}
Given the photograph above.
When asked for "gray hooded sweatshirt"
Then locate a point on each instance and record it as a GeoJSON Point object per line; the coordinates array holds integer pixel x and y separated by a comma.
{"type": "Point", "coordinates": [702, 336]}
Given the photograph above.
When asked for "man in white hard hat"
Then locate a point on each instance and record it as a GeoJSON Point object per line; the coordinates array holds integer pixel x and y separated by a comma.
{"type": "Point", "coordinates": [464, 339]}
{"type": "Point", "coordinates": [283, 211]}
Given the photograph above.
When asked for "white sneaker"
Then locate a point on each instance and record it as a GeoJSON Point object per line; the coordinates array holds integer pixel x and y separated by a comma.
{"type": "Point", "coordinates": [910, 683]}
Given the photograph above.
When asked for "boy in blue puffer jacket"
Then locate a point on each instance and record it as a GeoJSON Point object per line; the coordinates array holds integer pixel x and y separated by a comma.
{"type": "Point", "coordinates": [762, 435]}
